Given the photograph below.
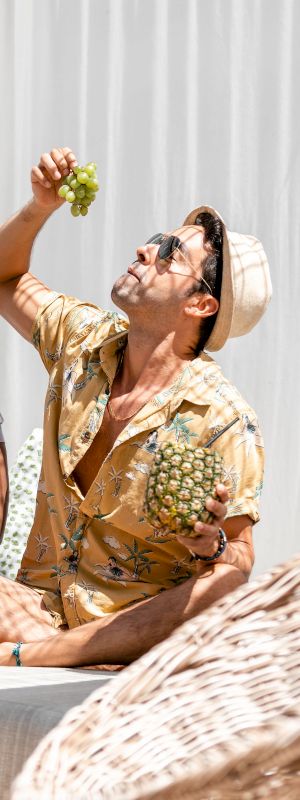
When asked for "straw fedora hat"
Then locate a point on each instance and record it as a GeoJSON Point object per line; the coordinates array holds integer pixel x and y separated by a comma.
{"type": "Point", "coordinates": [246, 283]}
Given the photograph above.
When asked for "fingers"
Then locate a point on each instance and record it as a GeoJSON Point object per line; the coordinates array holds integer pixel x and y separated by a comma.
{"type": "Point", "coordinates": [37, 176]}
{"type": "Point", "coordinates": [205, 545]}
{"type": "Point", "coordinates": [222, 492]}
{"type": "Point", "coordinates": [53, 166]}
{"type": "Point", "coordinates": [204, 528]}
{"type": "Point", "coordinates": [216, 508]}
{"type": "Point", "coordinates": [207, 535]}
{"type": "Point", "coordinates": [64, 160]}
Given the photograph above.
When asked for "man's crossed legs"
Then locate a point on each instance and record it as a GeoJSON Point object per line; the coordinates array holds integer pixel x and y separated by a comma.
{"type": "Point", "coordinates": [23, 615]}
{"type": "Point", "coordinates": [114, 639]}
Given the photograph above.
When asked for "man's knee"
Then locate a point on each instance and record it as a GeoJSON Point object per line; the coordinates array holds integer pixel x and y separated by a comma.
{"type": "Point", "coordinates": [228, 578]}
{"type": "Point", "coordinates": [219, 580]}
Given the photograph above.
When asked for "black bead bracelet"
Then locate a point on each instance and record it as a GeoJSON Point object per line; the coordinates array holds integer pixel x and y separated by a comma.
{"type": "Point", "coordinates": [219, 551]}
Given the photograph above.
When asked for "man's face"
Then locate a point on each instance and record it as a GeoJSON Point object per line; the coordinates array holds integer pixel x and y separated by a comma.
{"type": "Point", "coordinates": [155, 284]}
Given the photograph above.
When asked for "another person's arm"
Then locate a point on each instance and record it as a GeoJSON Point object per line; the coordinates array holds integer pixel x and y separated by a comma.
{"type": "Point", "coordinates": [3, 484]}
{"type": "Point", "coordinates": [21, 293]}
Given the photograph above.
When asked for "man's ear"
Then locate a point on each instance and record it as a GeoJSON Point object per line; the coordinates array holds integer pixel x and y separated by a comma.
{"type": "Point", "coordinates": [200, 306]}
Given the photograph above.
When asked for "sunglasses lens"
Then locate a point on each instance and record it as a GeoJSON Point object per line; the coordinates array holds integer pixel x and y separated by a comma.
{"type": "Point", "coordinates": [168, 247]}
{"type": "Point", "coordinates": [156, 239]}
{"type": "Point", "coordinates": [165, 249]}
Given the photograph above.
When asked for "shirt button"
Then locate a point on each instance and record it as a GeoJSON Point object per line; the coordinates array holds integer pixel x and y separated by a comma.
{"type": "Point", "coordinates": [86, 436]}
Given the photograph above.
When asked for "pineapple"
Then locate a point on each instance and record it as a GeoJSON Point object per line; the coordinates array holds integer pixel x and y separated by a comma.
{"type": "Point", "coordinates": [180, 480]}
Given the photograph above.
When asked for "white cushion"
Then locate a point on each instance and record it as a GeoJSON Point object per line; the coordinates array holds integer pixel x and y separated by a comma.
{"type": "Point", "coordinates": [32, 701]}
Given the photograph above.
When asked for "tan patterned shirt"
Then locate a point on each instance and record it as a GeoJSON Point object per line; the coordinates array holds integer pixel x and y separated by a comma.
{"type": "Point", "coordinates": [93, 555]}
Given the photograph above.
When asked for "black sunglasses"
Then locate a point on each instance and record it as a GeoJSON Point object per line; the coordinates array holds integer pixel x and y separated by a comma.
{"type": "Point", "coordinates": [167, 246]}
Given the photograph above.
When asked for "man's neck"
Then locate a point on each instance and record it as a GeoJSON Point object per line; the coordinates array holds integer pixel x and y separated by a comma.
{"type": "Point", "coordinates": [149, 362]}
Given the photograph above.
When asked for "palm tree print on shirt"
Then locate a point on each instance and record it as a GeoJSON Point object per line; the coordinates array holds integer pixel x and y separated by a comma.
{"type": "Point", "coordinates": [140, 559]}
{"type": "Point", "coordinates": [71, 507]}
{"type": "Point", "coordinates": [89, 374]}
{"type": "Point", "coordinates": [250, 434]}
{"type": "Point", "coordinates": [56, 355]}
{"type": "Point", "coordinates": [72, 559]}
{"type": "Point", "coordinates": [42, 546]}
{"type": "Point", "coordinates": [97, 413]}
{"type": "Point", "coordinates": [113, 571]}
{"type": "Point", "coordinates": [116, 478]}
{"type": "Point", "coordinates": [180, 428]}
{"type": "Point", "coordinates": [52, 394]}
{"type": "Point", "coordinates": [62, 445]}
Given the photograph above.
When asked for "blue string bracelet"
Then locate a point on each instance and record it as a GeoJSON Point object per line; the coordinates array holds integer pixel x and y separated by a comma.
{"type": "Point", "coordinates": [16, 652]}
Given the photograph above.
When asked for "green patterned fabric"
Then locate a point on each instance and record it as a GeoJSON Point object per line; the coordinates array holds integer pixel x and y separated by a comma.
{"type": "Point", "coordinates": [23, 482]}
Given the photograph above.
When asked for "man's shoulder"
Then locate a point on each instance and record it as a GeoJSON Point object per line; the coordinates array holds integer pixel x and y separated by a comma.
{"type": "Point", "coordinates": [209, 386]}
{"type": "Point", "coordinates": [79, 318]}
{"type": "Point", "coordinates": [66, 327]}
{"type": "Point", "coordinates": [86, 318]}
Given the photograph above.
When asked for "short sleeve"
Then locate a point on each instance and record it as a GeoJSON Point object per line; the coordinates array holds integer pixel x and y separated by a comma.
{"type": "Point", "coordinates": [243, 454]}
{"type": "Point", "coordinates": [60, 320]}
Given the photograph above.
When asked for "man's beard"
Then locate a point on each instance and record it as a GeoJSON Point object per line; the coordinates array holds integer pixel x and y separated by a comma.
{"type": "Point", "coordinates": [121, 293]}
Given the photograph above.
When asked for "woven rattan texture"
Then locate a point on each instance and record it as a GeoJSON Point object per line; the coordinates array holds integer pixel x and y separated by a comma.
{"type": "Point", "coordinates": [212, 713]}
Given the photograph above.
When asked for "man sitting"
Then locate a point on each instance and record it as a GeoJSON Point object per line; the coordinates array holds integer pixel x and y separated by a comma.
{"type": "Point", "coordinates": [97, 583]}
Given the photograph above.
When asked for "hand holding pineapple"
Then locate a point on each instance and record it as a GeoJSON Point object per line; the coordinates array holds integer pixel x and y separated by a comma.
{"type": "Point", "coordinates": [206, 541]}
{"type": "Point", "coordinates": [185, 495]}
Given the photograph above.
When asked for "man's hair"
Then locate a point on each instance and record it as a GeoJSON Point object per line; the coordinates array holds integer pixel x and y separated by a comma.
{"type": "Point", "coordinates": [211, 270]}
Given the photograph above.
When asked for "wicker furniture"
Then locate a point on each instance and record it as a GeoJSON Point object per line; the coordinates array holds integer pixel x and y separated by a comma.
{"type": "Point", "coordinates": [212, 713]}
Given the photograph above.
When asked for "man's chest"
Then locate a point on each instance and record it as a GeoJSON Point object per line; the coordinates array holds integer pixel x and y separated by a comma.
{"type": "Point", "coordinates": [89, 465]}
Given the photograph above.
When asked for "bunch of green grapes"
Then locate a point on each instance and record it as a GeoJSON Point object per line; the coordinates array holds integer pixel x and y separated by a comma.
{"type": "Point", "coordinates": [79, 188]}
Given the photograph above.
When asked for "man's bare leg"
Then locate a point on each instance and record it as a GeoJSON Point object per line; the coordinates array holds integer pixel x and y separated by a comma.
{"type": "Point", "coordinates": [23, 615]}
{"type": "Point", "coordinates": [122, 637]}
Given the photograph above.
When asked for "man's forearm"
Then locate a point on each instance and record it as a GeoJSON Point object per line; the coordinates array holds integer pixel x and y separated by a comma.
{"type": "Point", "coordinates": [16, 239]}
{"type": "Point", "coordinates": [125, 636]}
{"type": "Point", "coordinates": [3, 488]}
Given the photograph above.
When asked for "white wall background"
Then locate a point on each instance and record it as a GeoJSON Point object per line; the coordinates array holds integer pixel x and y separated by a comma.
{"type": "Point", "coordinates": [181, 102]}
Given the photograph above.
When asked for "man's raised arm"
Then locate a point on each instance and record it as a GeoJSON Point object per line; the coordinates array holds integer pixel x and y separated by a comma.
{"type": "Point", "coordinates": [21, 293]}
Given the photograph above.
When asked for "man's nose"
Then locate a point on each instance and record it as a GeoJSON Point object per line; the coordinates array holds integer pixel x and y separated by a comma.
{"type": "Point", "coordinates": [145, 254]}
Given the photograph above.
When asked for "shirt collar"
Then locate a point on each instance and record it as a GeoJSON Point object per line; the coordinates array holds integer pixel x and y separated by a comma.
{"type": "Point", "coordinates": [196, 382]}
{"type": "Point", "coordinates": [109, 353]}
{"type": "Point", "coordinates": [201, 376]}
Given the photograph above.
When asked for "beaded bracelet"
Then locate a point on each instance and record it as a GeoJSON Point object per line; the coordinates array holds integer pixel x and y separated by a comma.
{"type": "Point", "coordinates": [219, 551]}
{"type": "Point", "coordinates": [16, 652]}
